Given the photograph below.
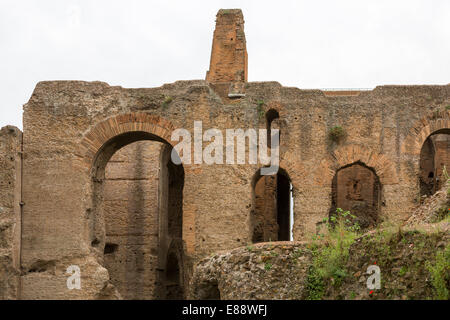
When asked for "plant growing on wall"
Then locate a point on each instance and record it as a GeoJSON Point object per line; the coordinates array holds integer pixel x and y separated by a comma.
{"type": "Point", "coordinates": [259, 108]}
{"type": "Point", "coordinates": [336, 133]}
{"type": "Point", "coordinates": [167, 101]}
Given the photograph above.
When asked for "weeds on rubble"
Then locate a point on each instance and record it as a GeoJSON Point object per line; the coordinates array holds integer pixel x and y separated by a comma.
{"type": "Point", "coordinates": [268, 266]}
{"type": "Point", "coordinates": [330, 258]}
{"type": "Point", "coordinates": [440, 214]}
{"type": "Point", "coordinates": [447, 107]}
{"type": "Point", "coordinates": [336, 133]}
{"type": "Point", "coordinates": [297, 254]}
{"type": "Point", "coordinates": [439, 271]}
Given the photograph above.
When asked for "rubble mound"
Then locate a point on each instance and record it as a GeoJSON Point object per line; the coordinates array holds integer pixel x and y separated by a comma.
{"type": "Point", "coordinates": [433, 208]}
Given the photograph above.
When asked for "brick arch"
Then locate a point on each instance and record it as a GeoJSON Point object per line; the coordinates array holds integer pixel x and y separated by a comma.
{"type": "Point", "coordinates": [104, 131]}
{"type": "Point", "coordinates": [294, 168]}
{"type": "Point", "coordinates": [350, 154]}
{"type": "Point", "coordinates": [423, 128]}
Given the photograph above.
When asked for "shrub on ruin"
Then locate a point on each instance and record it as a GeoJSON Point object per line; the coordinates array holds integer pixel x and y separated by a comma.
{"type": "Point", "coordinates": [259, 108]}
{"type": "Point", "coordinates": [167, 101]}
{"type": "Point", "coordinates": [336, 133]}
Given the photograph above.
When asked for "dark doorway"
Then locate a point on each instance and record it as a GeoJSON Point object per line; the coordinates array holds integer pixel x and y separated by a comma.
{"type": "Point", "coordinates": [272, 214]}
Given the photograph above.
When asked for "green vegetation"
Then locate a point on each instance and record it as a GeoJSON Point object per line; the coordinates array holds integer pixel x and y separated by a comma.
{"type": "Point", "coordinates": [336, 133]}
{"type": "Point", "coordinates": [268, 266]}
{"type": "Point", "coordinates": [166, 102]}
{"type": "Point", "coordinates": [440, 214]}
{"type": "Point", "coordinates": [297, 254]}
{"type": "Point", "coordinates": [440, 273]}
{"type": "Point", "coordinates": [315, 284]}
{"type": "Point", "coordinates": [274, 254]}
{"type": "Point", "coordinates": [402, 271]}
{"type": "Point", "coordinates": [259, 108]}
{"type": "Point", "coordinates": [330, 259]}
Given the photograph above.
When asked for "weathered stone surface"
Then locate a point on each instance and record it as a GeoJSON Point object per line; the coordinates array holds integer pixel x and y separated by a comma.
{"type": "Point", "coordinates": [261, 271]}
{"type": "Point", "coordinates": [10, 216]}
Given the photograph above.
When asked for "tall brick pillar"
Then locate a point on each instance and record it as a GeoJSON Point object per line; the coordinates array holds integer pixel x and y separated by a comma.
{"type": "Point", "coordinates": [228, 66]}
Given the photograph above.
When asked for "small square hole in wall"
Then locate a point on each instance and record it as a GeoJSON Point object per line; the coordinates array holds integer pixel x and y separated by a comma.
{"type": "Point", "coordinates": [110, 248]}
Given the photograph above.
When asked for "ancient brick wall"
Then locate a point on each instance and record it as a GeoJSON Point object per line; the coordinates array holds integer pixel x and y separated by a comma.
{"type": "Point", "coordinates": [10, 216]}
{"type": "Point", "coordinates": [217, 199]}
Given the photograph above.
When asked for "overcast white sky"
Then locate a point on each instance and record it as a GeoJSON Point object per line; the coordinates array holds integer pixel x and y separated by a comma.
{"type": "Point", "coordinates": [306, 44]}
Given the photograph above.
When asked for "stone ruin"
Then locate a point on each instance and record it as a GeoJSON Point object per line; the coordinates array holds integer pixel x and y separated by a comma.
{"type": "Point", "coordinates": [89, 181]}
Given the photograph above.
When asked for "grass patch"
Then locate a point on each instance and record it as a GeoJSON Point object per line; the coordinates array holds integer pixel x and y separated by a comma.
{"type": "Point", "coordinates": [330, 259]}
{"type": "Point", "coordinates": [440, 274]}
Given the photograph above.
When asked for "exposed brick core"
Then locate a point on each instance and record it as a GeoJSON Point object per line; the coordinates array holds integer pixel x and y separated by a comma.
{"type": "Point", "coordinates": [270, 218]}
{"type": "Point", "coordinates": [357, 188]}
{"type": "Point", "coordinates": [434, 157]}
{"type": "Point", "coordinates": [441, 157]}
{"type": "Point", "coordinates": [264, 217]}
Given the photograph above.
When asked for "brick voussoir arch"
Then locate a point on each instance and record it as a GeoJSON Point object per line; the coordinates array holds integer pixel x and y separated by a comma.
{"type": "Point", "coordinates": [349, 154]}
{"type": "Point", "coordinates": [422, 129]}
{"type": "Point", "coordinates": [104, 131]}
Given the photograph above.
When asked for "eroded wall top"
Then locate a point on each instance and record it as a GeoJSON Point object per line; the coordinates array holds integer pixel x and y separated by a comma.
{"type": "Point", "coordinates": [229, 52]}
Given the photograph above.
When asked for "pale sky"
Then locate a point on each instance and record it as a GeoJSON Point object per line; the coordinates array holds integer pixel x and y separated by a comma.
{"type": "Point", "coordinates": [306, 44]}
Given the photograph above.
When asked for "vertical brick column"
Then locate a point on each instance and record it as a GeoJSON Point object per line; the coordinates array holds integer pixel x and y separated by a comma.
{"type": "Point", "coordinates": [229, 52]}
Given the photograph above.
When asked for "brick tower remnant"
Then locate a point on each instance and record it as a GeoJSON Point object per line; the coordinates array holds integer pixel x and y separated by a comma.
{"type": "Point", "coordinates": [228, 66]}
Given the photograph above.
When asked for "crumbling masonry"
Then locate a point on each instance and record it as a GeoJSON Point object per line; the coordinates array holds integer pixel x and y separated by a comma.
{"type": "Point", "coordinates": [90, 183]}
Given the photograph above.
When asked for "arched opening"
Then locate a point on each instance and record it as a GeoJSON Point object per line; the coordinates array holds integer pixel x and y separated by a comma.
{"type": "Point", "coordinates": [357, 188]}
{"type": "Point", "coordinates": [434, 161]}
{"type": "Point", "coordinates": [271, 218]}
{"type": "Point", "coordinates": [271, 115]}
{"type": "Point", "coordinates": [128, 222]}
{"type": "Point", "coordinates": [171, 224]}
{"type": "Point", "coordinates": [173, 283]}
